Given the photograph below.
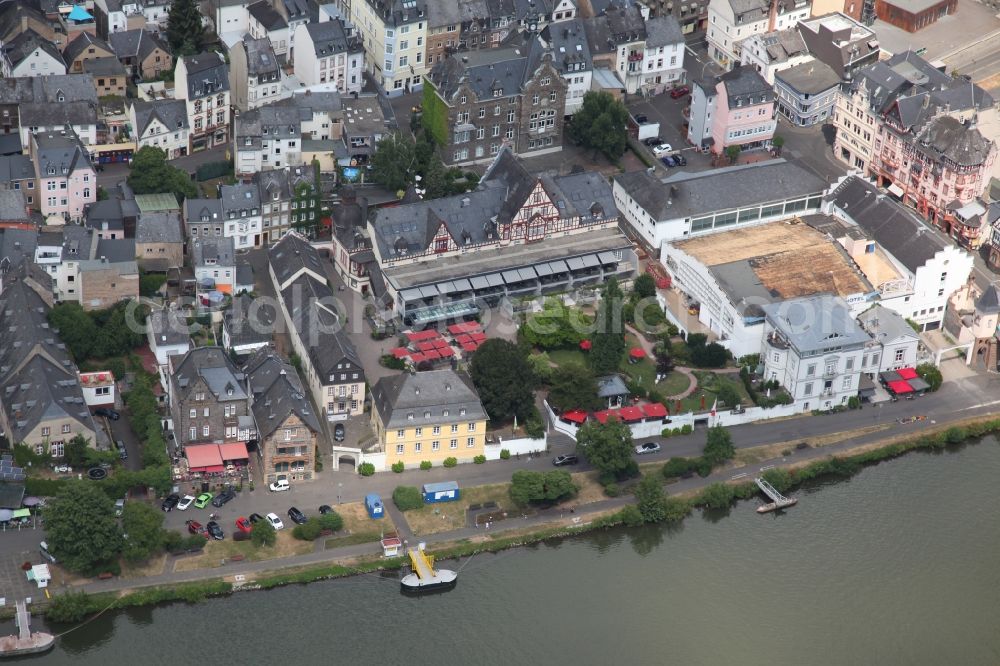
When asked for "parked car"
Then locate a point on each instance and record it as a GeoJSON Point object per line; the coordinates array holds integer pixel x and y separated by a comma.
{"type": "Point", "coordinates": [225, 496]}
{"type": "Point", "coordinates": [567, 459]}
{"type": "Point", "coordinates": [105, 411]}
{"type": "Point", "coordinates": [325, 509]}
{"type": "Point", "coordinates": [648, 447]}
{"type": "Point", "coordinates": [680, 159]}
{"type": "Point", "coordinates": [203, 500]}
{"type": "Point", "coordinates": [215, 531]}
{"type": "Point", "coordinates": [668, 161]}
{"type": "Point", "coordinates": [243, 525]}
{"type": "Point", "coordinates": [280, 485]}
{"type": "Point", "coordinates": [641, 118]}
{"type": "Point", "coordinates": [43, 548]}
{"type": "Point", "coordinates": [339, 432]}
{"type": "Point", "coordinates": [185, 502]}
{"type": "Point", "coordinates": [170, 501]}
{"type": "Point", "coordinates": [122, 451]}
{"type": "Point", "coordinates": [255, 518]}
{"type": "Point", "coordinates": [194, 527]}
{"type": "Point", "coordinates": [652, 141]}
{"type": "Point", "coordinates": [662, 149]}
{"type": "Point", "coordinates": [679, 92]}
{"type": "Point", "coordinates": [275, 521]}
{"type": "Point", "coordinates": [297, 516]}
{"type": "Point", "coordinates": [119, 506]}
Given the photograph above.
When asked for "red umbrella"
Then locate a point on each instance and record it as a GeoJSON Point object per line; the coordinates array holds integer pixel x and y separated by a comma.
{"type": "Point", "coordinates": [636, 352]}
{"type": "Point", "coordinates": [585, 345]}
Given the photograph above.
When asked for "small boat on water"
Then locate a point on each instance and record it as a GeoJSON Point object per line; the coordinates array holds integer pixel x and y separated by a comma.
{"type": "Point", "coordinates": [425, 578]}
{"type": "Point", "coordinates": [25, 641]}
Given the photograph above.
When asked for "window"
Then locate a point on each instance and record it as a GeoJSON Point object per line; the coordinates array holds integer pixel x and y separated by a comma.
{"type": "Point", "coordinates": [453, 444]}
{"type": "Point", "coordinates": [45, 432]}
{"type": "Point", "coordinates": [206, 412]}
{"type": "Point", "coordinates": [552, 96]}
{"type": "Point", "coordinates": [419, 432]}
{"type": "Point", "coordinates": [205, 431]}
{"type": "Point", "coordinates": [482, 112]}
{"type": "Point", "coordinates": [811, 370]}
{"type": "Point", "coordinates": [831, 367]}
{"type": "Point", "coordinates": [454, 427]}
{"type": "Point", "coordinates": [435, 445]}
{"type": "Point", "coordinates": [807, 389]}
{"type": "Point", "coordinates": [534, 98]}
{"type": "Point", "coordinates": [400, 433]}
{"type": "Point", "coordinates": [193, 433]}
{"type": "Point", "coordinates": [899, 355]}
{"type": "Point", "coordinates": [472, 427]}
{"type": "Point", "coordinates": [470, 442]}
{"type": "Point", "coordinates": [777, 357]}
{"type": "Point", "coordinates": [65, 428]}
{"type": "Point", "coordinates": [416, 447]}
{"type": "Point", "coordinates": [436, 430]}
{"type": "Point", "coordinates": [194, 413]}
{"type": "Point", "coordinates": [399, 449]}
{"type": "Point", "coordinates": [846, 384]}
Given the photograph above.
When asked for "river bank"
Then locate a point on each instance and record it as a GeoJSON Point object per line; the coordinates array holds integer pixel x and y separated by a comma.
{"type": "Point", "coordinates": [705, 492]}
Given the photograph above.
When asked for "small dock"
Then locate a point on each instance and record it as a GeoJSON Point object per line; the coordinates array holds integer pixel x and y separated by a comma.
{"type": "Point", "coordinates": [26, 641]}
{"type": "Point", "coordinates": [424, 577]}
{"type": "Point", "coordinates": [778, 501]}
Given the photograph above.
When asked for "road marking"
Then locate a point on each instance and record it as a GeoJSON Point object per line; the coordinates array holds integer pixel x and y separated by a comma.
{"type": "Point", "coordinates": [738, 476]}
{"type": "Point", "coordinates": [766, 467]}
{"type": "Point", "coordinates": [692, 52]}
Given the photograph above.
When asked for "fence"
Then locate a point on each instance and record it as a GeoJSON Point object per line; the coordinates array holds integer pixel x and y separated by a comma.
{"type": "Point", "coordinates": [519, 446]}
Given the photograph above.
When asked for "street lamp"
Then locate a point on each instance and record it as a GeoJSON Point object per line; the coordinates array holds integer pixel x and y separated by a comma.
{"type": "Point", "coordinates": [339, 486]}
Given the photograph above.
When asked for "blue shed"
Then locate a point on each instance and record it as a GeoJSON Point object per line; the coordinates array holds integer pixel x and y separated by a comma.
{"type": "Point", "coordinates": [374, 505]}
{"type": "Point", "coordinates": [446, 491]}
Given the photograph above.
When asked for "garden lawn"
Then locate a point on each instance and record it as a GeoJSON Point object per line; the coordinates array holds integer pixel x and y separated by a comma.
{"type": "Point", "coordinates": [567, 356]}
{"type": "Point", "coordinates": [358, 526]}
{"type": "Point", "coordinates": [216, 553]}
{"type": "Point", "coordinates": [445, 516]}
{"type": "Point", "coordinates": [709, 384]}
{"type": "Point", "coordinates": [674, 383]}
{"type": "Point", "coordinates": [643, 372]}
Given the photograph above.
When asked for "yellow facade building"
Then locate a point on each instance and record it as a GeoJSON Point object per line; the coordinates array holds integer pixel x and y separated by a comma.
{"type": "Point", "coordinates": [428, 416]}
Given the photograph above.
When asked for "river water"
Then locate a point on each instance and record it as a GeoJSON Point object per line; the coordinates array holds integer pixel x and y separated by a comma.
{"type": "Point", "coordinates": [897, 566]}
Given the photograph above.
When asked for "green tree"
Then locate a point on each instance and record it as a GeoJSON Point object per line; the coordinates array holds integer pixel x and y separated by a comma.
{"type": "Point", "coordinates": [717, 496]}
{"type": "Point", "coordinates": [555, 326]}
{"type": "Point", "coordinates": [76, 451]}
{"type": "Point", "coordinates": [711, 355]}
{"type": "Point", "coordinates": [81, 527]}
{"type": "Point", "coordinates": [728, 395]}
{"type": "Point", "coordinates": [600, 124]}
{"type": "Point", "coordinates": [501, 373]}
{"type": "Point", "coordinates": [649, 496]}
{"type": "Point", "coordinates": [150, 173]}
{"type": "Point", "coordinates": [185, 31]}
{"type": "Point", "coordinates": [529, 487]}
{"type": "Point", "coordinates": [930, 374]}
{"type": "Point", "coordinates": [435, 178]}
{"type": "Point", "coordinates": [143, 526]}
{"type": "Point", "coordinates": [393, 162]}
{"type": "Point", "coordinates": [608, 341]}
{"type": "Point", "coordinates": [573, 387]}
{"type": "Point", "coordinates": [263, 534]}
{"type": "Point", "coordinates": [331, 521]}
{"type": "Point", "coordinates": [541, 367]}
{"type": "Point", "coordinates": [407, 498]}
{"type": "Point", "coordinates": [608, 447]}
{"type": "Point", "coordinates": [76, 329]}
{"type": "Point", "coordinates": [719, 446]}
{"type": "Point", "coordinates": [644, 286]}
{"type": "Point", "coordinates": [733, 153]}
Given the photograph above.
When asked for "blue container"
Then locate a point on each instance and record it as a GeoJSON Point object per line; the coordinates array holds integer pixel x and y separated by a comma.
{"type": "Point", "coordinates": [374, 505]}
{"type": "Point", "coordinates": [446, 491]}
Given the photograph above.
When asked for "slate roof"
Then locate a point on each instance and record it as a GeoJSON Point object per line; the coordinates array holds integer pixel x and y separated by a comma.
{"type": "Point", "coordinates": [473, 217]}
{"type": "Point", "coordinates": [277, 394]}
{"type": "Point", "coordinates": [568, 41]}
{"type": "Point", "coordinates": [249, 321]}
{"type": "Point", "coordinates": [885, 325]}
{"type": "Point", "coordinates": [421, 399]}
{"type": "Point", "coordinates": [168, 327]}
{"type": "Point", "coordinates": [83, 41]}
{"type": "Point", "coordinates": [611, 386]}
{"type": "Point", "coordinates": [663, 31]}
{"type": "Point", "coordinates": [267, 16]}
{"type": "Point", "coordinates": [692, 194]}
{"type": "Point", "coordinates": [16, 167]}
{"type": "Point", "coordinates": [330, 37]}
{"type": "Point", "coordinates": [16, 245]}
{"type": "Point", "coordinates": [13, 206]}
{"type": "Point", "coordinates": [137, 43]}
{"type": "Point", "coordinates": [744, 85]}
{"type": "Point", "coordinates": [172, 113]}
{"type": "Point", "coordinates": [48, 90]}
{"type": "Point", "coordinates": [109, 66]}
{"type": "Point", "coordinates": [274, 121]}
{"type": "Point", "coordinates": [63, 154]}
{"type": "Point", "coordinates": [814, 323]}
{"type": "Point", "coordinates": [947, 138]}
{"type": "Point", "coordinates": [207, 74]}
{"type": "Point", "coordinates": [38, 380]}
{"type": "Point", "coordinates": [237, 198]}
{"type": "Point", "coordinates": [213, 365]}
{"type": "Point", "coordinates": [886, 222]}
{"type": "Point", "coordinates": [291, 254]}
{"type": "Point", "coordinates": [749, 10]}
{"type": "Point", "coordinates": [218, 251]}
{"type": "Point", "coordinates": [809, 78]}
{"type": "Point", "coordinates": [60, 114]}
{"type": "Point", "coordinates": [26, 43]}
{"type": "Point", "coordinates": [196, 209]}
{"type": "Point", "coordinates": [116, 250]}
{"type": "Point", "coordinates": [399, 12]}
{"type": "Point", "coordinates": [260, 56]}
{"type": "Point", "coordinates": [159, 227]}
{"type": "Point", "coordinates": [989, 301]}
{"type": "Point", "coordinates": [12, 15]}
{"type": "Point", "coordinates": [780, 45]}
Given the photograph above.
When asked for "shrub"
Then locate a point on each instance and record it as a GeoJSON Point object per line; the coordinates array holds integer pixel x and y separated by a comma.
{"type": "Point", "coordinates": [479, 460]}
{"type": "Point", "coordinates": [612, 490]}
{"type": "Point", "coordinates": [332, 521]}
{"type": "Point", "coordinates": [263, 534]}
{"type": "Point", "coordinates": [676, 467]}
{"type": "Point", "coordinates": [392, 362]}
{"type": "Point", "coordinates": [534, 428]}
{"type": "Point", "coordinates": [398, 467]}
{"type": "Point", "coordinates": [407, 498]}
{"type": "Point", "coordinates": [194, 543]}
{"type": "Point", "coordinates": [930, 374]}
{"type": "Point", "coordinates": [504, 455]}
{"type": "Point", "coordinates": [451, 461]}
{"type": "Point", "coordinates": [366, 469]}
{"type": "Point", "coordinates": [716, 496]}
{"type": "Point", "coordinates": [666, 432]}
{"type": "Point", "coordinates": [675, 509]}
{"type": "Point", "coordinates": [631, 516]}
{"type": "Point", "coordinates": [173, 542]}
{"type": "Point", "coordinates": [676, 431]}
{"type": "Point", "coordinates": [686, 429]}
{"type": "Point", "coordinates": [308, 531]}
{"type": "Point", "coordinates": [70, 607]}
{"type": "Point", "coordinates": [853, 402]}
{"type": "Point", "coordinates": [955, 435]}
{"type": "Point", "coordinates": [781, 479]}
{"type": "Point", "coordinates": [240, 535]}
{"type": "Point", "coordinates": [425, 465]}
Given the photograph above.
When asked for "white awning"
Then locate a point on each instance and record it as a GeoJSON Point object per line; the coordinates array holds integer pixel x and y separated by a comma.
{"type": "Point", "coordinates": [896, 190]}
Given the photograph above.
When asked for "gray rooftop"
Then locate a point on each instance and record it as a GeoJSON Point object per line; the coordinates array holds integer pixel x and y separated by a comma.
{"type": "Point", "coordinates": [816, 324]}
{"type": "Point", "coordinates": [13, 206]}
{"type": "Point", "coordinates": [330, 37]}
{"type": "Point", "coordinates": [53, 89]}
{"type": "Point", "coordinates": [161, 227]}
{"type": "Point", "coordinates": [611, 386]}
{"type": "Point", "coordinates": [198, 211]}
{"type": "Point", "coordinates": [292, 254]}
{"type": "Point", "coordinates": [505, 68]}
{"type": "Point", "coordinates": [427, 398]}
{"type": "Point", "coordinates": [663, 31]}
{"type": "Point", "coordinates": [137, 43]}
{"type": "Point", "coordinates": [60, 154]}
{"type": "Point", "coordinates": [83, 41]}
{"type": "Point", "coordinates": [961, 143]}
{"type": "Point", "coordinates": [218, 251]}
{"type": "Point", "coordinates": [331, 351]}
{"type": "Point", "coordinates": [215, 368]}
{"type": "Point", "coordinates": [885, 325]}
{"type": "Point", "coordinates": [172, 113]}
{"type": "Point", "coordinates": [207, 74]}
{"type": "Point", "coordinates": [18, 244]}
{"type": "Point", "coordinates": [363, 116]}
{"type": "Point", "coordinates": [116, 249]}
{"type": "Point", "coordinates": [267, 15]}
{"type": "Point", "coordinates": [16, 167]}
{"type": "Point", "coordinates": [744, 85]}
{"type": "Point", "coordinates": [260, 56]}
{"type": "Point", "coordinates": [249, 321]}
{"type": "Point", "coordinates": [26, 43]}
{"type": "Point", "coordinates": [570, 48]}
{"type": "Point", "coordinates": [109, 66]}
{"type": "Point", "coordinates": [168, 327]}
{"type": "Point", "coordinates": [277, 394]}
{"type": "Point", "coordinates": [809, 78]}
{"type": "Point", "coordinates": [685, 195]}
{"type": "Point", "coordinates": [238, 198]}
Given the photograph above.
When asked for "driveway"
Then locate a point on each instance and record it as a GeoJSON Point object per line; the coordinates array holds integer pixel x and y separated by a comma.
{"type": "Point", "coordinates": [122, 430]}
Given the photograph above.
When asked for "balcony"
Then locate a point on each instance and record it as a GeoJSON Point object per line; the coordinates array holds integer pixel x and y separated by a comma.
{"type": "Point", "coordinates": [635, 57]}
{"type": "Point", "coordinates": [777, 342]}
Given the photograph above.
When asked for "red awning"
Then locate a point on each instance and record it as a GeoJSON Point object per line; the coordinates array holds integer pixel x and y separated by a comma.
{"type": "Point", "coordinates": [201, 456]}
{"type": "Point", "coordinates": [585, 345]}
{"type": "Point", "coordinates": [469, 347]}
{"type": "Point", "coordinates": [234, 451]}
{"type": "Point", "coordinates": [465, 327]}
{"type": "Point", "coordinates": [431, 355]}
{"type": "Point", "coordinates": [636, 352]}
{"type": "Point", "coordinates": [900, 386]}
{"type": "Point", "coordinates": [441, 343]}
{"type": "Point", "coordinates": [419, 336]}
{"type": "Point", "coordinates": [575, 415]}
{"type": "Point", "coordinates": [417, 358]}
{"type": "Point", "coordinates": [425, 346]}
{"type": "Point", "coordinates": [630, 414]}
{"type": "Point", "coordinates": [654, 410]}
{"type": "Point", "coordinates": [400, 352]}
{"type": "Point", "coordinates": [447, 352]}
{"type": "Point", "coordinates": [602, 416]}
{"type": "Point", "coordinates": [213, 468]}
{"type": "Point", "coordinates": [462, 339]}
{"type": "Point", "coordinates": [478, 337]}
{"type": "Point", "coordinates": [907, 373]}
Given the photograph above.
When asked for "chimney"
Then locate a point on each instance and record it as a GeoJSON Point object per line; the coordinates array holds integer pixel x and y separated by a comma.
{"type": "Point", "coordinates": [772, 16]}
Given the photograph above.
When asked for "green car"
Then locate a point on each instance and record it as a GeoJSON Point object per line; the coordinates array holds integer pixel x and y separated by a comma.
{"type": "Point", "coordinates": [203, 500]}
